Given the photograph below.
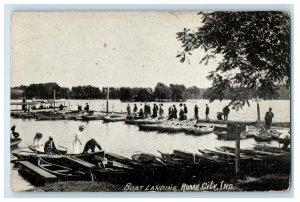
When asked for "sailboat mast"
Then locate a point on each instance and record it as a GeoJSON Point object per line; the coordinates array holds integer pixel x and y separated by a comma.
{"type": "Point", "coordinates": [54, 98]}
{"type": "Point", "coordinates": [107, 98]}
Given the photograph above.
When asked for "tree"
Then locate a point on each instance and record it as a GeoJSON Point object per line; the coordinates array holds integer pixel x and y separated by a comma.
{"type": "Point", "coordinates": [193, 92]}
{"type": "Point", "coordinates": [255, 52]}
{"type": "Point", "coordinates": [162, 92]}
{"type": "Point", "coordinates": [126, 94]}
{"type": "Point", "coordinates": [178, 92]}
{"type": "Point", "coordinates": [145, 95]}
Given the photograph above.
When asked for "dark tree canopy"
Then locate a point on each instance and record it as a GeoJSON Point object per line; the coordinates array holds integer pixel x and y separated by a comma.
{"type": "Point", "coordinates": [254, 47]}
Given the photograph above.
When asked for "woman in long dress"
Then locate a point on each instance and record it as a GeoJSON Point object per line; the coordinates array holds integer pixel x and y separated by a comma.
{"type": "Point", "coordinates": [77, 140]}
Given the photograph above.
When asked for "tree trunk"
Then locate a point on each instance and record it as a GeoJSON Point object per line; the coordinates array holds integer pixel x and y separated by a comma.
{"type": "Point", "coordinates": [258, 112]}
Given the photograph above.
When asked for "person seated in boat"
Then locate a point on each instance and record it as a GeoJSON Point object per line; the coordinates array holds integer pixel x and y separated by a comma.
{"type": "Point", "coordinates": [87, 107]}
{"type": "Point", "coordinates": [79, 108]}
{"type": "Point", "coordinates": [61, 107]}
{"type": "Point", "coordinates": [220, 116]}
{"type": "Point", "coordinates": [41, 107]}
{"type": "Point", "coordinates": [50, 147]}
{"type": "Point", "coordinates": [14, 133]}
{"type": "Point", "coordinates": [285, 138]}
{"type": "Point", "coordinates": [37, 138]}
{"type": "Point", "coordinates": [91, 145]}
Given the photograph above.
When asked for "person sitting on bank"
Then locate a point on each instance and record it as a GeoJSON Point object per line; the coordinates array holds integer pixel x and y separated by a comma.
{"type": "Point", "coordinates": [91, 145]}
{"type": "Point", "coordinates": [50, 147]}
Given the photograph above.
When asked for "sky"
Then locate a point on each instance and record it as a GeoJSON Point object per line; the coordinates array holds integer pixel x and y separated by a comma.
{"type": "Point", "coordinates": [134, 49]}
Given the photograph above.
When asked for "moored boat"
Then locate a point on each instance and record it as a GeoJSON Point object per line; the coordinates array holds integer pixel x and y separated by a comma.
{"type": "Point", "coordinates": [112, 118]}
{"type": "Point", "coordinates": [62, 172]}
{"type": "Point", "coordinates": [14, 142]}
{"type": "Point", "coordinates": [40, 149]}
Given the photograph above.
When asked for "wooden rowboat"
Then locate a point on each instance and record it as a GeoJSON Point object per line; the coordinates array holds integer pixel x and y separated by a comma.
{"type": "Point", "coordinates": [60, 171]}
{"type": "Point", "coordinates": [113, 119]}
{"type": "Point", "coordinates": [33, 157]}
{"type": "Point", "coordinates": [14, 142]}
{"type": "Point", "coordinates": [40, 149]}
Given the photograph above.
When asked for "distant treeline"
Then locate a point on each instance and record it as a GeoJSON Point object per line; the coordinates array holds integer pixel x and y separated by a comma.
{"type": "Point", "coordinates": [161, 92]}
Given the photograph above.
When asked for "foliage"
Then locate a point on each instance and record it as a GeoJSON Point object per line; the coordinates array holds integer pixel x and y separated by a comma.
{"type": "Point", "coordinates": [162, 91]}
{"type": "Point", "coordinates": [255, 52]}
{"type": "Point", "coordinates": [178, 92]}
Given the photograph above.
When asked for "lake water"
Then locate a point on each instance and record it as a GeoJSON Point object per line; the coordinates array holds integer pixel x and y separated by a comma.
{"type": "Point", "coordinates": [126, 139]}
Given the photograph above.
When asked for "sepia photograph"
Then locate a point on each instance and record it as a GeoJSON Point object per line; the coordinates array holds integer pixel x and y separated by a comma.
{"type": "Point", "coordinates": [150, 101]}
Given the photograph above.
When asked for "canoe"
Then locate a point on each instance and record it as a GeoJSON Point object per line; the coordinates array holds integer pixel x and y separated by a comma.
{"type": "Point", "coordinates": [40, 149]}
{"type": "Point", "coordinates": [14, 142]}
{"type": "Point", "coordinates": [63, 172]}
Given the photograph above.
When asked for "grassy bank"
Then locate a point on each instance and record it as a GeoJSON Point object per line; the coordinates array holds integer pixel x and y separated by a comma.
{"type": "Point", "coordinates": [272, 182]}
{"type": "Point", "coordinates": [78, 186]}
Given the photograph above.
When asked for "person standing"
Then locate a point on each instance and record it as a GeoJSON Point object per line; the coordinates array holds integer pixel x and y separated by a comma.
{"type": "Point", "coordinates": [145, 110]}
{"type": "Point", "coordinates": [154, 114]}
{"type": "Point", "coordinates": [128, 109]}
{"type": "Point", "coordinates": [268, 118]}
{"type": "Point", "coordinates": [174, 112]}
{"type": "Point", "coordinates": [207, 112]}
{"type": "Point", "coordinates": [185, 109]}
{"type": "Point", "coordinates": [196, 110]}
{"type": "Point", "coordinates": [77, 140]}
{"type": "Point", "coordinates": [135, 109]}
{"type": "Point", "coordinates": [226, 111]}
{"type": "Point", "coordinates": [161, 111]}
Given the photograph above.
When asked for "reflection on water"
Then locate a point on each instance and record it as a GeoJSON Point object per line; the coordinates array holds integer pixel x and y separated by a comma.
{"type": "Point", "coordinates": [127, 139]}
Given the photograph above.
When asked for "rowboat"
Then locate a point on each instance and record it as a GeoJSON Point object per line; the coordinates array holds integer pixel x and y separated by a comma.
{"type": "Point", "coordinates": [147, 159]}
{"type": "Point", "coordinates": [63, 172]}
{"type": "Point", "coordinates": [265, 137]}
{"type": "Point", "coordinates": [14, 142]}
{"type": "Point", "coordinates": [33, 157]}
{"type": "Point", "coordinates": [152, 127]}
{"type": "Point", "coordinates": [40, 149]}
{"type": "Point", "coordinates": [113, 118]}
{"type": "Point", "coordinates": [93, 117]}
{"type": "Point", "coordinates": [200, 129]}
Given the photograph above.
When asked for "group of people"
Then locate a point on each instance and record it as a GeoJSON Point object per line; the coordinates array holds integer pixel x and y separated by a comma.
{"type": "Point", "coordinates": [50, 148]}
{"type": "Point", "coordinates": [86, 108]}
{"type": "Point", "coordinates": [145, 111]}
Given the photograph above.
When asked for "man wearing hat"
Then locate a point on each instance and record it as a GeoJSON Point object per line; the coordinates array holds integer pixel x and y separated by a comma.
{"type": "Point", "coordinates": [77, 140]}
{"type": "Point", "coordinates": [50, 146]}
